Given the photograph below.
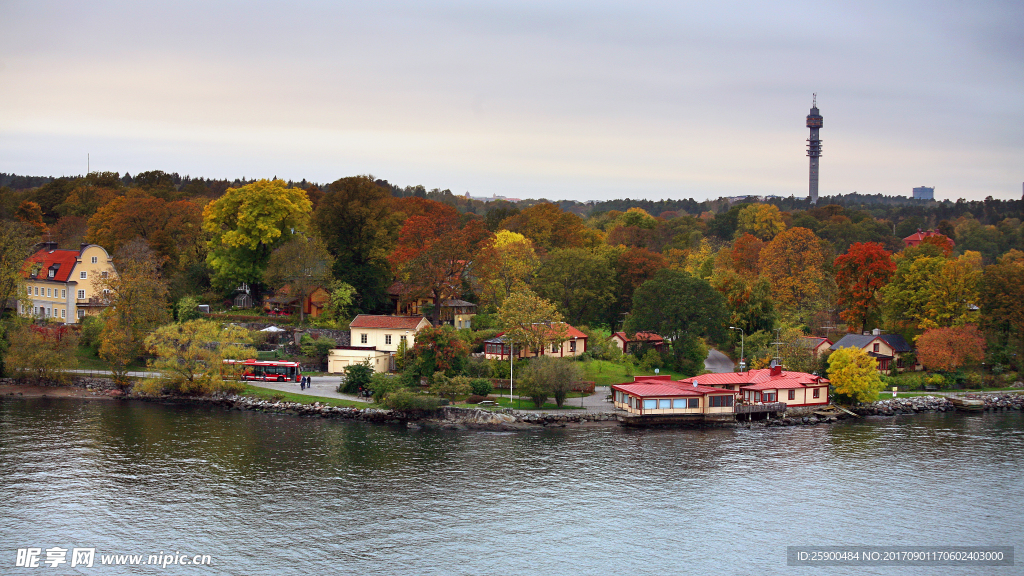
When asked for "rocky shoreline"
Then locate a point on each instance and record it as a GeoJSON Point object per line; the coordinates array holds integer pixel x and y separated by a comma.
{"type": "Point", "coordinates": [478, 419]}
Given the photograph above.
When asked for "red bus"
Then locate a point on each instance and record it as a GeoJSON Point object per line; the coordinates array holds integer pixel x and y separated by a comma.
{"type": "Point", "coordinates": [266, 370]}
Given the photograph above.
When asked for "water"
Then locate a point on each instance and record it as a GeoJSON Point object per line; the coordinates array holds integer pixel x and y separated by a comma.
{"type": "Point", "coordinates": [264, 494]}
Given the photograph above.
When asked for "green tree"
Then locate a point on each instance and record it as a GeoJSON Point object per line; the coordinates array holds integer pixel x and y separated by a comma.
{"type": "Point", "coordinates": [187, 309]}
{"type": "Point", "coordinates": [546, 376]}
{"type": "Point", "coordinates": [580, 282]}
{"type": "Point", "coordinates": [931, 291]}
{"type": "Point", "coordinates": [317, 348]}
{"type": "Point", "coordinates": [300, 266]}
{"type": "Point", "coordinates": [359, 223]}
{"type": "Point", "coordinates": [450, 387]}
{"type": "Point", "coordinates": [1002, 297]}
{"type": "Point", "coordinates": [247, 224]}
{"type": "Point", "coordinates": [682, 309]}
{"type": "Point", "coordinates": [356, 376]}
{"type": "Point", "coordinates": [191, 357]}
{"type": "Point", "coordinates": [854, 374]}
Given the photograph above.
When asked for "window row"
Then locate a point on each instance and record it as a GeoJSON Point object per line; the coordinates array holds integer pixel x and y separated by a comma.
{"type": "Point", "coordinates": [50, 292]}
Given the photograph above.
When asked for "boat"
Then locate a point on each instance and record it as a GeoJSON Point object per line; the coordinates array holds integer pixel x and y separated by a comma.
{"type": "Point", "coordinates": [967, 404]}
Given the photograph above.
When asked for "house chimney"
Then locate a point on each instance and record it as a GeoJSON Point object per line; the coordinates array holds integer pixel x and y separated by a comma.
{"type": "Point", "coordinates": [876, 332]}
{"type": "Point", "coordinates": [776, 370]}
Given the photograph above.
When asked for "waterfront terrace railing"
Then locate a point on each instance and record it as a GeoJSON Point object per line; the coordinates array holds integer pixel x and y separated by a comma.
{"type": "Point", "coordinates": [756, 408]}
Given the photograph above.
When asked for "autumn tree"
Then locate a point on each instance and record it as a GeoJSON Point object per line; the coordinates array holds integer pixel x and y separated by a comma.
{"type": "Point", "coordinates": [763, 221]}
{"type": "Point", "coordinates": [860, 274]}
{"type": "Point", "coordinates": [16, 243]}
{"type": "Point", "coordinates": [247, 224]}
{"type": "Point", "coordinates": [1002, 297]}
{"type": "Point", "coordinates": [794, 263]}
{"type": "Point", "coordinates": [43, 352]}
{"type": "Point", "coordinates": [190, 356]}
{"type": "Point", "coordinates": [439, 349]}
{"type": "Point", "coordinates": [749, 301]}
{"type": "Point", "coordinates": [580, 282]}
{"type": "Point", "coordinates": [932, 291]}
{"type": "Point", "coordinates": [506, 264]}
{"type": "Point", "coordinates": [549, 227]}
{"type": "Point", "coordinates": [359, 224]}
{"type": "Point", "coordinates": [531, 322]}
{"type": "Point", "coordinates": [950, 348]}
{"type": "Point", "coordinates": [683, 310]}
{"type": "Point", "coordinates": [30, 213]}
{"type": "Point", "coordinates": [69, 231]}
{"type": "Point", "coordinates": [433, 254]}
{"type": "Point", "coordinates": [300, 266]}
{"type": "Point", "coordinates": [138, 302]}
{"type": "Point", "coordinates": [633, 267]}
{"type": "Point", "coordinates": [854, 374]}
{"type": "Point", "coordinates": [746, 254]}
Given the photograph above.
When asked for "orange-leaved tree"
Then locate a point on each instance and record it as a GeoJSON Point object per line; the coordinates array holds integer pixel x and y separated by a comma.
{"type": "Point", "coordinates": [950, 348]}
{"type": "Point", "coordinates": [794, 262]}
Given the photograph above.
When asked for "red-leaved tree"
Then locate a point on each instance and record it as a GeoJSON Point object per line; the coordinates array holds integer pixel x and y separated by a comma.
{"type": "Point", "coordinates": [433, 252]}
{"type": "Point", "coordinates": [860, 274]}
{"type": "Point", "coordinates": [950, 348]}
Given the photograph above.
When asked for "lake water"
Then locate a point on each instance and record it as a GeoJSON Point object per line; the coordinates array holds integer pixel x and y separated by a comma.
{"type": "Point", "coordinates": [265, 494]}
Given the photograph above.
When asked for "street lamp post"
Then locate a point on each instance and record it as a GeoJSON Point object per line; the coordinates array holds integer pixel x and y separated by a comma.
{"type": "Point", "coordinates": [743, 363]}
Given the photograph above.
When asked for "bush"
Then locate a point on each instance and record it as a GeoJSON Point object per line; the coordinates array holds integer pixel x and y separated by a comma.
{"type": "Point", "coordinates": [356, 376]}
{"type": "Point", "coordinates": [651, 360]}
{"type": "Point", "coordinates": [382, 384]}
{"type": "Point", "coordinates": [973, 380]}
{"type": "Point", "coordinates": [935, 380]}
{"type": "Point", "coordinates": [481, 387]}
{"type": "Point", "coordinates": [475, 399]}
{"type": "Point", "coordinates": [478, 367]}
{"type": "Point", "coordinates": [407, 400]}
{"type": "Point", "coordinates": [450, 387]}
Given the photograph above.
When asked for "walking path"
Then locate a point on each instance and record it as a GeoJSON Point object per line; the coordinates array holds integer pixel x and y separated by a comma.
{"type": "Point", "coordinates": [325, 386]}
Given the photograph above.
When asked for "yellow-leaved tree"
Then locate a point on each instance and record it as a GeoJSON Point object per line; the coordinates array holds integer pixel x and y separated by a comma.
{"type": "Point", "coordinates": [530, 321]}
{"type": "Point", "coordinates": [854, 374]}
{"type": "Point", "coordinates": [505, 264]}
{"type": "Point", "coordinates": [191, 355]}
{"type": "Point", "coordinates": [763, 221]}
{"type": "Point", "coordinates": [247, 223]}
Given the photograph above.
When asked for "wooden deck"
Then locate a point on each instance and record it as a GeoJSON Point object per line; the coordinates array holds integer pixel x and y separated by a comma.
{"type": "Point", "coordinates": [758, 408]}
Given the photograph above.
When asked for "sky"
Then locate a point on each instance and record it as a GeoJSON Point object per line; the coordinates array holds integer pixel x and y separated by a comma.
{"type": "Point", "coordinates": [571, 100]}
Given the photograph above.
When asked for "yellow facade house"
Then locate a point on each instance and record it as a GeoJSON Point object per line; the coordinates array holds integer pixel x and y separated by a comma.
{"type": "Point", "coordinates": [375, 339]}
{"type": "Point", "coordinates": [63, 284]}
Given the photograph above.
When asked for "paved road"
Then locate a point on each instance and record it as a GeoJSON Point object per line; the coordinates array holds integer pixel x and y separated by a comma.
{"type": "Point", "coordinates": [718, 362]}
{"type": "Point", "coordinates": [326, 386]}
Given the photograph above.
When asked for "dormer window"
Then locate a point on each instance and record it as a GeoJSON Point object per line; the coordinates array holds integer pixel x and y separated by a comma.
{"type": "Point", "coordinates": [52, 272]}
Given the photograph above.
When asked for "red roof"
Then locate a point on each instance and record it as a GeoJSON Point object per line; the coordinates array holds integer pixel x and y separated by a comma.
{"type": "Point", "coordinates": [917, 237]}
{"type": "Point", "coordinates": [389, 322]}
{"type": "Point", "coordinates": [660, 386]}
{"type": "Point", "coordinates": [64, 260]}
{"type": "Point", "coordinates": [762, 379]}
{"type": "Point", "coordinates": [640, 337]}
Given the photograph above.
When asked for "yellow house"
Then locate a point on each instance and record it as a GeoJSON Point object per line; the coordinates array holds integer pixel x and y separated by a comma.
{"type": "Point", "coordinates": [375, 339]}
{"type": "Point", "coordinates": [64, 284]}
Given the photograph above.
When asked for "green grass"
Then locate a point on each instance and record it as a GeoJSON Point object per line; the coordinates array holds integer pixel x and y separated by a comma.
{"type": "Point", "coordinates": [88, 360]}
{"type": "Point", "coordinates": [519, 404]}
{"type": "Point", "coordinates": [277, 395]}
{"type": "Point", "coordinates": [605, 373]}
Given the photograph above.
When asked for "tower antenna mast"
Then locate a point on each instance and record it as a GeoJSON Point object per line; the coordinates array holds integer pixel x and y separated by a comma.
{"type": "Point", "coordinates": [814, 122]}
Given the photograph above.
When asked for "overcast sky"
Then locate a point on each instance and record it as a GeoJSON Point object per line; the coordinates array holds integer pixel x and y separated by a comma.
{"type": "Point", "coordinates": [577, 100]}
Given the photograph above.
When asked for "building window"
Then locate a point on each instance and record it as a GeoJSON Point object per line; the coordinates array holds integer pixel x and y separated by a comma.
{"type": "Point", "coordinates": [49, 292]}
{"type": "Point", "coordinates": [81, 294]}
{"type": "Point", "coordinates": [719, 401]}
{"type": "Point", "coordinates": [363, 339]}
{"type": "Point", "coordinates": [63, 313]}
{"type": "Point", "coordinates": [572, 345]}
{"type": "Point", "coordinates": [664, 404]}
{"type": "Point", "coordinates": [650, 404]}
{"type": "Point", "coordinates": [83, 274]}
{"type": "Point", "coordinates": [792, 394]}
{"type": "Point", "coordinates": [52, 272]}
{"type": "Point", "coordinates": [770, 396]}
{"type": "Point", "coordinates": [81, 314]}
{"type": "Point", "coordinates": [694, 402]}
{"type": "Point", "coordinates": [95, 259]}
{"type": "Point", "coordinates": [63, 293]}
{"type": "Point", "coordinates": [103, 274]}
{"type": "Point", "coordinates": [817, 392]}
{"type": "Point", "coordinates": [29, 290]}
{"type": "Point", "coordinates": [402, 338]}
{"type": "Point", "coordinates": [37, 291]}
{"type": "Point", "coordinates": [679, 404]}
{"type": "Point", "coordinates": [554, 348]}
{"type": "Point", "coordinates": [874, 348]}
{"type": "Point", "coordinates": [387, 339]}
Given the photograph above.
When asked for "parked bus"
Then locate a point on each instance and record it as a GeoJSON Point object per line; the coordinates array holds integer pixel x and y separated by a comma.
{"type": "Point", "coordinates": [264, 370]}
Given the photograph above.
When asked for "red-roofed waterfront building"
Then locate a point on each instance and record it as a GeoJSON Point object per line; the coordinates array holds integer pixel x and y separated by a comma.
{"type": "Point", "coordinates": [63, 284]}
{"type": "Point", "coordinates": [628, 345]}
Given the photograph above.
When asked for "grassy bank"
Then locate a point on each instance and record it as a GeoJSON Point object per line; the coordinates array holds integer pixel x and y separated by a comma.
{"type": "Point", "coordinates": [605, 373]}
{"type": "Point", "coordinates": [277, 395]}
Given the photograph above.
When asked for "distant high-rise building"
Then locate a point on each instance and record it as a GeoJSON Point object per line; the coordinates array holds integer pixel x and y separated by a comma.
{"type": "Point", "coordinates": [814, 122]}
{"type": "Point", "coordinates": [924, 193]}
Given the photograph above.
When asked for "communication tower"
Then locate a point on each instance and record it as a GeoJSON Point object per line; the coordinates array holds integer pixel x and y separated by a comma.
{"type": "Point", "coordinates": [814, 122]}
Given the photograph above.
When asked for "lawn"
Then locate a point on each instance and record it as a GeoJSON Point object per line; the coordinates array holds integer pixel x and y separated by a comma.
{"type": "Point", "coordinates": [88, 360]}
{"type": "Point", "coordinates": [520, 404]}
{"type": "Point", "coordinates": [605, 373]}
{"type": "Point", "coordinates": [277, 395]}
